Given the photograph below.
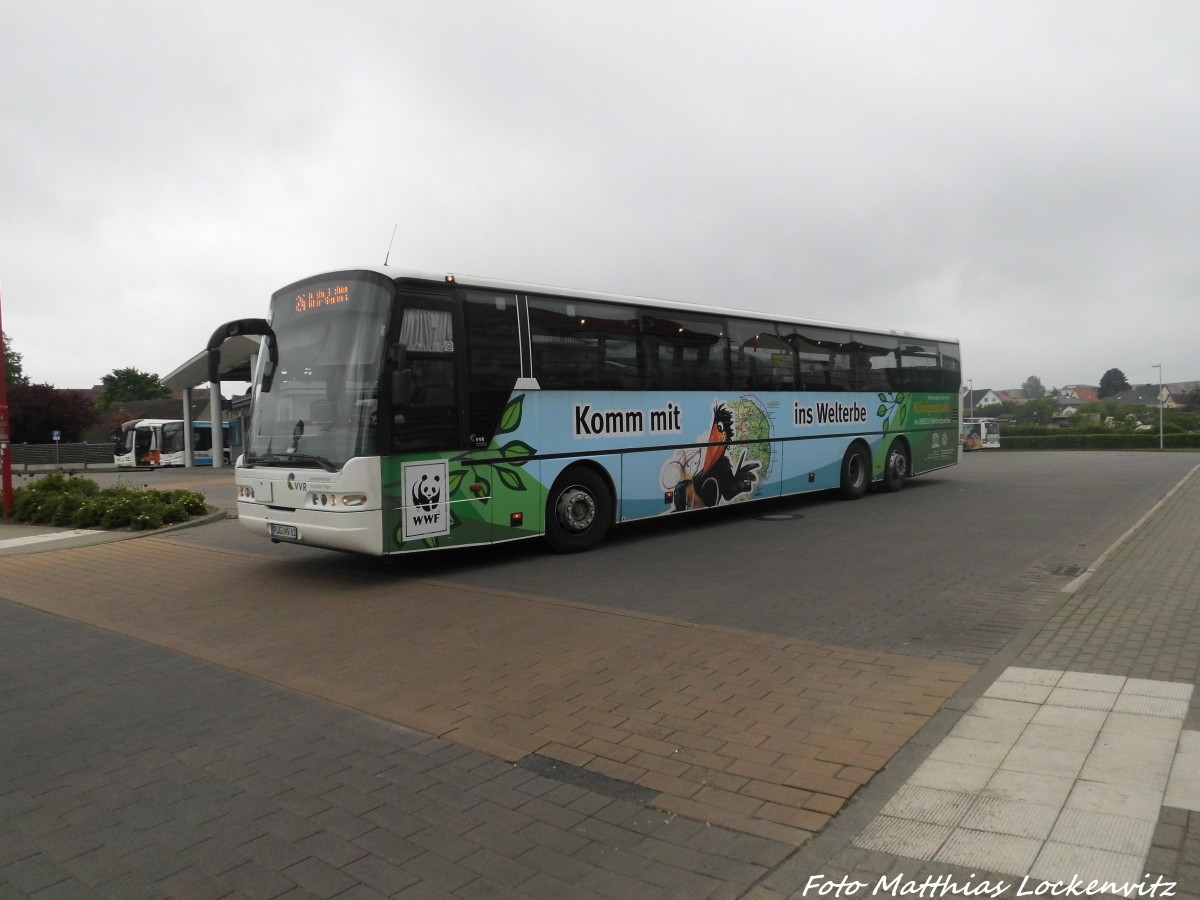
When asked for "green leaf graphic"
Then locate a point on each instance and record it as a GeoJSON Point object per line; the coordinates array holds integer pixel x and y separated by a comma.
{"type": "Point", "coordinates": [511, 419]}
{"type": "Point", "coordinates": [456, 478]}
{"type": "Point", "coordinates": [517, 452]}
{"type": "Point", "coordinates": [510, 478]}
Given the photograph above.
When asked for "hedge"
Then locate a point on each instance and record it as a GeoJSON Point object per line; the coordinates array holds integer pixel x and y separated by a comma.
{"type": "Point", "coordinates": [1067, 440]}
{"type": "Point", "coordinates": [57, 499]}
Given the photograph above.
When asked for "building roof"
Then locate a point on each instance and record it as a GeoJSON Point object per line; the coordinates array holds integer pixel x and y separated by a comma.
{"type": "Point", "coordinates": [1138, 395]}
{"type": "Point", "coordinates": [236, 354]}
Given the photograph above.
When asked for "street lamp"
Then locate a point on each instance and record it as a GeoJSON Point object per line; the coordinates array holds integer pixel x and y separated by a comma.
{"type": "Point", "coordinates": [1160, 404]}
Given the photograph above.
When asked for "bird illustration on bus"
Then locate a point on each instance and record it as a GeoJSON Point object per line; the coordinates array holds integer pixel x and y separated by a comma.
{"type": "Point", "coordinates": [706, 476]}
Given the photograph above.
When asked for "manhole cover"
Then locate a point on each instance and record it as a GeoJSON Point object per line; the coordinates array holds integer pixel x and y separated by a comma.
{"type": "Point", "coordinates": [1069, 570]}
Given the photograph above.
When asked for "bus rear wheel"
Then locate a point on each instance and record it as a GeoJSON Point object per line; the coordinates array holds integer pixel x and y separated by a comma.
{"type": "Point", "coordinates": [856, 472]}
{"type": "Point", "coordinates": [579, 511]}
{"type": "Point", "coordinates": [895, 469]}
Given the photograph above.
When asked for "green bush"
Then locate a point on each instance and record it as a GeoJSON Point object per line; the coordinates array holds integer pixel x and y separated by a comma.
{"type": "Point", "coordinates": [57, 499]}
{"type": "Point", "coordinates": [1069, 439]}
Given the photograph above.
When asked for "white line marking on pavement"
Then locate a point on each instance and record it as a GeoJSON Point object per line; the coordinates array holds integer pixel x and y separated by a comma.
{"type": "Point", "coordinates": [42, 538]}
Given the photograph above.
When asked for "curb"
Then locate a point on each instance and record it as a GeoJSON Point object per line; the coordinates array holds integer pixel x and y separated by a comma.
{"type": "Point", "coordinates": [214, 514]}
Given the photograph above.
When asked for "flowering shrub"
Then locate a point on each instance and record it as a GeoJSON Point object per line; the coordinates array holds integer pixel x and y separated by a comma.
{"type": "Point", "coordinates": [58, 499]}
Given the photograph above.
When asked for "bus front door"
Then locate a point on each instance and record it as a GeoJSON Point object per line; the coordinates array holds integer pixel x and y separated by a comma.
{"type": "Point", "coordinates": [432, 505]}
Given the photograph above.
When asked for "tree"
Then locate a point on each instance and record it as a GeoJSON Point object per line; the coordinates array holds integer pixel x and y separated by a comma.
{"type": "Point", "coordinates": [130, 384]}
{"type": "Point", "coordinates": [36, 411]}
{"type": "Point", "coordinates": [14, 369]}
{"type": "Point", "coordinates": [1112, 383]}
{"type": "Point", "coordinates": [1033, 387]}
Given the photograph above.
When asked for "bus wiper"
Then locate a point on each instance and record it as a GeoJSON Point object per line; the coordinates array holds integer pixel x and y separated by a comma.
{"type": "Point", "coordinates": [292, 457]}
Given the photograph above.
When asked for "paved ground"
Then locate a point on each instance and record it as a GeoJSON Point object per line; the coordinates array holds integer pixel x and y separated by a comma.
{"type": "Point", "coordinates": [1078, 760]}
{"type": "Point", "coordinates": [421, 739]}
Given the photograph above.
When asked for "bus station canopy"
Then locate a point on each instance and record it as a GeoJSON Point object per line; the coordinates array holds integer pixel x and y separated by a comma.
{"type": "Point", "coordinates": [236, 354]}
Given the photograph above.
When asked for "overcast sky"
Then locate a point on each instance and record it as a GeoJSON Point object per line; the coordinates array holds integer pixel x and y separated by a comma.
{"type": "Point", "coordinates": [1020, 175]}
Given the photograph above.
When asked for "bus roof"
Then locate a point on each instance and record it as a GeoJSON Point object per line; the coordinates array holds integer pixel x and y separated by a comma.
{"type": "Point", "coordinates": [396, 273]}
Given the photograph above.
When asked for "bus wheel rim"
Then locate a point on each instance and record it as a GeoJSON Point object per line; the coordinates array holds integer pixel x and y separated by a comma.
{"type": "Point", "coordinates": [576, 509]}
{"type": "Point", "coordinates": [856, 469]}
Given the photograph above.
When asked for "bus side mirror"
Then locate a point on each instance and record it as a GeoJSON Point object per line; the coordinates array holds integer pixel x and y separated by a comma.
{"type": "Point", "coordinates": [248, 327]}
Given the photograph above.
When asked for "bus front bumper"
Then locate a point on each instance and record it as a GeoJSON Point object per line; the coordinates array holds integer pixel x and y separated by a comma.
{"type": "Point", "coordinates": [357, 532]}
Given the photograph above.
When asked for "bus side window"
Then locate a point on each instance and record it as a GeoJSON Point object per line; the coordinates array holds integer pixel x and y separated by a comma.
{"type": "Point", "coordinates": [582, 345]}
{"type": "Point", "coordinates": [685, 351]}
{"type": "Point", "coordinates": [429, 418]}
{"type": "Point", "coordinates": [760, 358]}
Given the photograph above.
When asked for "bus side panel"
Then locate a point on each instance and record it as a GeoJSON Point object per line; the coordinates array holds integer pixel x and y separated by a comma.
{"type": "Point", "coordinates": [688, 468]}
{"type": "Point", "coordinates": [435, 500]}
{"type": "Point", "coordinates": [932, 427]}
{"type": "Point", "coordinates": [453, 500]}
{"type": "Point", "coordinates": [776, 443]}
{"type": "Point", "coordinates": [812, 464]}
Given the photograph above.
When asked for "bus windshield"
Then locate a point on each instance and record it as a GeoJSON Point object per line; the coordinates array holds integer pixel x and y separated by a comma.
{"type": "Point", "coordinates": [321, 407]}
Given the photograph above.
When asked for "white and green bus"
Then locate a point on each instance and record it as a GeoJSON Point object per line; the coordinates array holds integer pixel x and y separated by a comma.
{"type": "Point", "coordinates": [158, 443]}
{"type": "Point", "coordinates": [396, 412]}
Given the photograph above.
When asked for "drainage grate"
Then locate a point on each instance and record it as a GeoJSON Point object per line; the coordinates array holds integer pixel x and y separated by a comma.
{"type": "Point", "coordinates": [1072, 571]}
{"type": "Point", "coordinates": [777, 517]}
{"type": "Point", "coordinates": [592, 781]}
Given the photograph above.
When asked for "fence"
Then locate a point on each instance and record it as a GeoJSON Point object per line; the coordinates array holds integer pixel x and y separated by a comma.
{"type": "Point", "coordinates": [41, 456]}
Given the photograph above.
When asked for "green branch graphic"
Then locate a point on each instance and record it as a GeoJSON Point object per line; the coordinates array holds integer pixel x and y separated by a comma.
{"type": "Point", "coordinates": [893, 408]}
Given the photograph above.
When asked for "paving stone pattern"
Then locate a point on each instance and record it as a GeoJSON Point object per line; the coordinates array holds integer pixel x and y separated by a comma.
{"type": "Point", "coordinates": [765, 735]}
{"type": "Point", "coordinates": [130, 771]}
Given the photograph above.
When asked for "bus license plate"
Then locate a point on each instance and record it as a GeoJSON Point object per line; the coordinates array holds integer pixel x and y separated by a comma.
{"type": "Point", "coordinates": [285, 532]}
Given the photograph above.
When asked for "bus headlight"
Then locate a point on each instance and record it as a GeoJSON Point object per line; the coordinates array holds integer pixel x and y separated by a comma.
{"type": "Point", "coordinates": [245, 492]}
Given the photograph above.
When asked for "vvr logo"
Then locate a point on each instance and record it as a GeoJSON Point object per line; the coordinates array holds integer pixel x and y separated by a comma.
{"type": "Point", "coordinates": [294, 485]}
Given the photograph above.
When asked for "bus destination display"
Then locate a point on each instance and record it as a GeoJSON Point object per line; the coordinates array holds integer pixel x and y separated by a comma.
{"type": "Point", "coordinates": [322, 298]}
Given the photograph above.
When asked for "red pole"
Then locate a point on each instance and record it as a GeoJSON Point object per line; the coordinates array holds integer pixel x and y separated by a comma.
{"type": "Point", "coordinates": [5, 447]}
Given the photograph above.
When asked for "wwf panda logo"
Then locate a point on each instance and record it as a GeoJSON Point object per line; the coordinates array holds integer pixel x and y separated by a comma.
{"type": "Point", "coordinates": [427, 492]}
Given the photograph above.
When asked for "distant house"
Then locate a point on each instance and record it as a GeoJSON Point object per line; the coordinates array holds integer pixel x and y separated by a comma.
{"type": "Point", "coordinates": [1084, 393]}
{"type": "Point", "coordinates": [975, 400]}
{"type": "Point", "coordinates": [1015, 395]}
{"type": "Point", "coordinates": [1139, 395]}
{"type": "Point", "coordinates": [1179, 393]}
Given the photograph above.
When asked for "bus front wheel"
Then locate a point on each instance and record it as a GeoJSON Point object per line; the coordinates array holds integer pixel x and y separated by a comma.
{"type": "Point", "coordinates": [856, 472]}
{"type": "Point", "coordinates": [579, 511]}
{"type": "Point", "coordinates": [895, 470]}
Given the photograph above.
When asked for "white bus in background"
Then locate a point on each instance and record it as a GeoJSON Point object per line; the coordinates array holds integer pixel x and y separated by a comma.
{"type": "Point", "coordinates": [980, 434]}
{"type": "Point", "coordinates": [154, 443]}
